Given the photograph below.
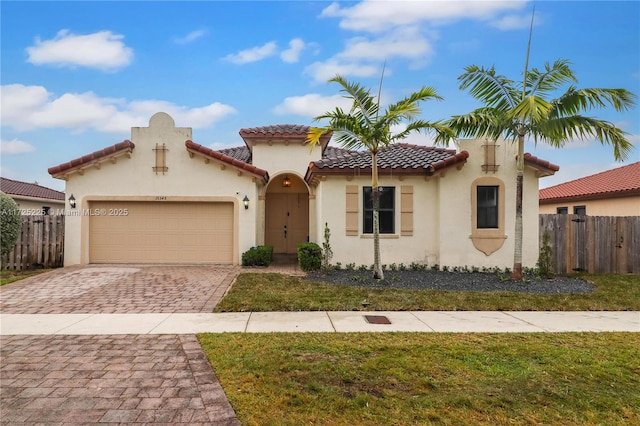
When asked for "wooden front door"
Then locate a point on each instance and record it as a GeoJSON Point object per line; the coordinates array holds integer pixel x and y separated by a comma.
{"type": "Point", "coordinates": [287, 221]}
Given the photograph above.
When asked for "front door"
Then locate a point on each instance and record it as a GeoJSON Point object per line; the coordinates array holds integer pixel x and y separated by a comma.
{"type": "Point", "coordinates": [287, 221]}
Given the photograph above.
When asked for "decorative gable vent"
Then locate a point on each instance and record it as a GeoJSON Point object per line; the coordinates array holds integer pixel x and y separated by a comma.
{"type": "Point", "coordinates": [161, 159]}
{"type": "Point", "coordinates": [490, 157]}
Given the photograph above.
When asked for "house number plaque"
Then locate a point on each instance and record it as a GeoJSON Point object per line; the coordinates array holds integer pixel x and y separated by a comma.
{"type": "Point", "coordinates": [161, 198]}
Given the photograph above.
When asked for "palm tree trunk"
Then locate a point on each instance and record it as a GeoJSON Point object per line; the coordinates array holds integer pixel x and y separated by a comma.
{"type": "Point", "coordinates": [378, 274]}
{"type": "Point", "coordinates": [516, 274]}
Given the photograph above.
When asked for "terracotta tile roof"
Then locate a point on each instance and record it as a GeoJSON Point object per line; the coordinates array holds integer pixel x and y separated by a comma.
{"type": "Point", "coordinates": [91, 159]}
{"type": "Point", "coordinates": [544, 167]}
{"type": "Point", "coordinates": [399, 158]}
{"type": "Point", "coordinates": [280, 131]}
{"type": "Point", "coordinates": [16, 187]}
{"type": "Point", "coordinates": [195, 148]}
{"type": "Point", "coordinates": [241, 153]}
{"type": "Point", "coordinates": [619, 182]}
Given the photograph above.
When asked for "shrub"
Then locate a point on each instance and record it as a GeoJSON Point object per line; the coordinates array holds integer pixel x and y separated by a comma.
{"type": "Point", "coordinates": [327, 253]}
{"type": "Point", "coordinates": [10, 223]}
{"type": "Point", "coordinates": [545, 260]}
{"type": "Point", "coordinates": [258, 256]}
{"type": "Point", "coordinates": [309, 256]}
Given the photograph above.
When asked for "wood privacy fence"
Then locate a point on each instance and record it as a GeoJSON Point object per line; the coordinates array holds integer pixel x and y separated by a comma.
{"type": "Point", "coordinates": [594, 244]}
{"type": "Point", "coordinates": [41, 244]}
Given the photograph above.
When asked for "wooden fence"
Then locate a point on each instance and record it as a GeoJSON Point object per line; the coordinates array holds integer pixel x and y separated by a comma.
{"type": "Point", "coordinates": [41, 244]}
{"type": "Point", "coordinates": [595, 244]}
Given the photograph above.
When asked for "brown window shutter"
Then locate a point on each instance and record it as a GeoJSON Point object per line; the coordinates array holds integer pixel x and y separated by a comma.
{"type": "Point", "coordinates": [406, 210]}
{"type": "Point", "coordinates": [353, 215]}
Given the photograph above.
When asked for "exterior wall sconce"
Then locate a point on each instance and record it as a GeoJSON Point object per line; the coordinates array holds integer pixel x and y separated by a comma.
{"type": "Point", "coordinates": [72, 201]}
{"type": "Point", "coordinates": [286, 182]}
{"type": "Point", "coordinates": [245, 201]}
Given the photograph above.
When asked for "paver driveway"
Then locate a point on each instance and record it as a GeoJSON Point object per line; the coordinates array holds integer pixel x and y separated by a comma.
{"type": "Point", "coordinates": [123, 379]}
{"type": "Point", "coordinates": [111, 289]}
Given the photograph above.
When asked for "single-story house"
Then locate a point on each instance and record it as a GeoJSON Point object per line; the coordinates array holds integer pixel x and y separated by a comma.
{"type": "Point", "coordinates": [162, 198]}
{"type": "Point", "coordinates": [33, 199]}
{"type": "Point", "coordinates": [614, 192]}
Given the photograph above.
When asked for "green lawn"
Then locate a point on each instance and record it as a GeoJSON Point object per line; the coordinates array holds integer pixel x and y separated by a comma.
{"type": "Point", "coordinates": [274, 292]}
{"type": "Point", "coordinates": [8, 276]}
{"type": "Point", "coordinates": [429, 378]}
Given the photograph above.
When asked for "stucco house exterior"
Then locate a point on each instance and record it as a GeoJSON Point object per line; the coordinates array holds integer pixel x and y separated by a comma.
{"type": "Point", "coordinates": [614, 192]}
{"type": "Point", "coordinates": [162, 198]}
{"type": "Point", "coordinates": [33, 199]}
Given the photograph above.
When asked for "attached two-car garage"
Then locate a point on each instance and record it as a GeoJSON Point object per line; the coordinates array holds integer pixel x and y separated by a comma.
{"type": "Point", "coordinates": [160, 232]}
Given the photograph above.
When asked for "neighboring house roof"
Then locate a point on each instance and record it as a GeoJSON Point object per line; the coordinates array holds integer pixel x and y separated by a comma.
{"type": "Point", "coordinates": [621, 182]}
{"type": "Point", "coordinates": [399, 158]}
{"type": "Point", "coordinates": [95, 158]}
{"type": "Point", "coordinates": [195, 148]}
{"type": "Point", "coordinates": [17, 188]}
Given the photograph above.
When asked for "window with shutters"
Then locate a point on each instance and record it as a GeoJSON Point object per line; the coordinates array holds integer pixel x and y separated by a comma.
{"type": "Point", "coordinates": [386, 209]}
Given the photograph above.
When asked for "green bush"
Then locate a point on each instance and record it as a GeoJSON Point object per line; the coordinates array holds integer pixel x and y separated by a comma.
{"type": "Point", "coordinates": [10, 223]}
{"type": "Point", "coordinates": [309, 256]}
{"type": "Point", "coordinates": [258, 256]}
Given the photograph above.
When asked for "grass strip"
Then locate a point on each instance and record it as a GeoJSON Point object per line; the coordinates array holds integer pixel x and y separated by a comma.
{"type": "Point", "coordinates": [265, 292]}
{"type": "Point", "coordinates": [429, 378]}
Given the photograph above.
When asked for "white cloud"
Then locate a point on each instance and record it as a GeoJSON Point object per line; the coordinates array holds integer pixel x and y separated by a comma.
{"type": "Point", "coordinates": [514, 22]}
{"type": "Point", "coordinates": [405, 42]}
{"type": "Point", "coordinates": [15, 146]}
{"type": "Point", "coordinates": [253, 54]}
{"type": "Point", "coordinates": [323, 71]}
{"type": "Point", "coordinates": [376, 16]}
{"type": "Point", "coordinates": [292, 54]}
{"type": "Point", "coordinates": [80, 111]}
{"type": "Point", "coordinates": [192, 36]}
{"type": "Point", "coordinates": [102, 50]}
{"type": "Point", "coordinates": [312, 104]}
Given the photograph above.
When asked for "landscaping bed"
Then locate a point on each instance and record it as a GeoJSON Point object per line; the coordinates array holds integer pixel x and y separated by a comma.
{"type": "Point", "coordinates": [453, 281]}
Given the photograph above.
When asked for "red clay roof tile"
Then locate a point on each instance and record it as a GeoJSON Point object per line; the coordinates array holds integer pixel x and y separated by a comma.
{"type": "Point", "coordinates": [399, 158]}
{"type": "Point", "coordinates": [622, 181]}
{"type": "Point", "coordinates": [94, 157]}
{"type": "Point", "coordinates": [217, 155]}
{"type": "Point", "coordinates": [16, 187]}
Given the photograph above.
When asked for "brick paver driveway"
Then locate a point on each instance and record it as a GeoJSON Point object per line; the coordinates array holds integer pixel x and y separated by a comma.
{"type": "Point", "coordinates": [111, 289]}
{"type": "Point", "coordinates": [123, 379]}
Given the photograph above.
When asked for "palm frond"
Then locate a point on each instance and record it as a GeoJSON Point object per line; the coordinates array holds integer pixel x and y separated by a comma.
{"type": "Point", "coordinates": [550, 79]}
{"type": "Point", "coordinates": [531, 109]}
{"type": "Point", "coordinates": [574, 101]}
{"type": "Point", "coordinates": [363, 103]}
{"type": "Point", "coordinates": [493, 90]}
{"type": "Point", "coordinates": [558, 131]}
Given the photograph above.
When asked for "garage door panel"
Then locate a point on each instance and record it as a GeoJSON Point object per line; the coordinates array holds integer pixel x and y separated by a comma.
{"type": "Point", "coordinates": [164, 232]}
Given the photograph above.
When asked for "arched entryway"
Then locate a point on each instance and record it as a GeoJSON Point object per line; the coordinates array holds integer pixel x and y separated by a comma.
{"type": "Point", "coordinates": [286, 213]}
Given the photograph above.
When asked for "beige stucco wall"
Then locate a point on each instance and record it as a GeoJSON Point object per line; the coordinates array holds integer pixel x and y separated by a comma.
{"type": "Point", "coordinates": [442, 216]}
{"type": "Point", "coordinates": [33, 206]}
{"type": "Point", "coordinates": [456, 248]}
{"type": "Point", "coordinates": [281, 156]}
{"type": "Point", "coordinates": [624, 206]}
{"type": "Point", "coordinates": [187, 180]}
{"type": "Point", "coordinates": [421, 247]}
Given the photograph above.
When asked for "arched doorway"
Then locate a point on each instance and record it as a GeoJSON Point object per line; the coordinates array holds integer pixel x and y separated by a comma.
{"type": "Point", "coordinates": [286, 213]}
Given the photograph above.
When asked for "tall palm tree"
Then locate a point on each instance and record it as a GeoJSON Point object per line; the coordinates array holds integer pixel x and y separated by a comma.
{"type": "Point", "coordinates": [520, 110]}
{"type": "Point", "coordinates": [368, 127]}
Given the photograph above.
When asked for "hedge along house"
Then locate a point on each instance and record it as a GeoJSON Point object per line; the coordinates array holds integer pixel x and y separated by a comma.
{"type": "Point", "coordinates": [162, 198]}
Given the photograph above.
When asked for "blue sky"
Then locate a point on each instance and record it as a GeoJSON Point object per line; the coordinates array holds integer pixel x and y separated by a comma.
{"type": "Point", "coordinates": [76, 76]}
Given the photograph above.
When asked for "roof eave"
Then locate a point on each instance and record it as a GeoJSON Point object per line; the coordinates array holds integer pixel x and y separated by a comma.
{"type": "Point", "coordinates": [94, 159]}
{"type": "Point", "coordinates": [225, 160]}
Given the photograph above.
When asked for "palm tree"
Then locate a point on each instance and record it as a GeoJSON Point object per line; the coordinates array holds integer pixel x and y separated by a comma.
{"type": "Point", "coordinates": [365, 126]}
{"type": "Point", "coordinates": [516, 111]}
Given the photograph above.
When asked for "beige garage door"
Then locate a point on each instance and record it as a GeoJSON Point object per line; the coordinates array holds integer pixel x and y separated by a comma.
{"type": "Point", "coordinates": [160, 232]}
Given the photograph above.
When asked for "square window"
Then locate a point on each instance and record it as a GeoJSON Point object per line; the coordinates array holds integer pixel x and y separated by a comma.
{"type": "Point", "coordinates": [580, 210]}
{"type": "Point", "coordinates": [562, 210]}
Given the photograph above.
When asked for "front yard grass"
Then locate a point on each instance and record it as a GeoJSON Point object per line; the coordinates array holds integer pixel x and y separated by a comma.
{"type": "Point", "coordinates": [429, 378]}
{"type": "Point", "coordinates": [8, 276]}
{"type": "Point", "coordinates": [274, 292]}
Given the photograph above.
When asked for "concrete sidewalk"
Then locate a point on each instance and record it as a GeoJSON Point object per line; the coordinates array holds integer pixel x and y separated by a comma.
{"type": "Point", "coordinates": [352, 321]}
